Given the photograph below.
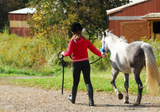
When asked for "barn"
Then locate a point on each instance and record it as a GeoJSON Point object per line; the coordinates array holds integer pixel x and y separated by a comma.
{"type": "Point", "coordinates": [17, 23]}
{"type": "Point", "coordinates": [135, 20]}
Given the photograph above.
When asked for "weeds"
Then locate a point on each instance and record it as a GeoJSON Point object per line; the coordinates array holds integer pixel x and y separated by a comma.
{"type": "Point", "coordinates": [24, 54]}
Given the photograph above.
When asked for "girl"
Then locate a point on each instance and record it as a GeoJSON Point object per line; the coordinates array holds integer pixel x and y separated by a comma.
{"type": "Point", "coordinates": [78, 49]}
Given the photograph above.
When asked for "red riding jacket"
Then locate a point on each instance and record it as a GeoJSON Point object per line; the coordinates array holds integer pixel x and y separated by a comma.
{"type": "Point", "coordinates": [78, 49]}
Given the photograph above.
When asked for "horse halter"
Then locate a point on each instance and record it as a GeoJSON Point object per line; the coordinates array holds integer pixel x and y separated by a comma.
{"type": "Point", "coordinates": [103, 49]}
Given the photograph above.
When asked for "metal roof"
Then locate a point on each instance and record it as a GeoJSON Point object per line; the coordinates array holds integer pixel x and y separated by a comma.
{"type": "Point", "coordinates": [124, 6]}
{"type": "Point", "coordinates": [24, 11]}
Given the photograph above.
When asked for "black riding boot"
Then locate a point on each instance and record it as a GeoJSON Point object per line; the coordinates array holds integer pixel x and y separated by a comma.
{"type": "Point", "coordinates": [72, 97]}
{"type": "Point", "coordinates": [90, 94]}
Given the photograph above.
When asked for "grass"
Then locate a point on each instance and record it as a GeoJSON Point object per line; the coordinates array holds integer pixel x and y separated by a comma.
{"type": "Point", "coordinates": [10, 70]}
{"type": "Point", "coordinates": [100, 82]}
{"type": "Point", "coordinates": [11, 75]}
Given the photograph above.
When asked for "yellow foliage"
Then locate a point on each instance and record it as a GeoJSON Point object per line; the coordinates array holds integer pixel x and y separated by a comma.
{"type": "Point", "coordinates": [22, 52]}
{"type": "Point", "coordinates": [37, 17]}
{"type": "Point", "coordinates": [32, 53]}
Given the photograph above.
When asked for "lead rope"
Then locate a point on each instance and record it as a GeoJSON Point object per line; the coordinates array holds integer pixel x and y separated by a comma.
{"type": "Point", "coordinates": [62, 63]}
{"type": "Point", "coordinates": [96, 60]}
{"type": "Point", "coordinates": [91, 62]}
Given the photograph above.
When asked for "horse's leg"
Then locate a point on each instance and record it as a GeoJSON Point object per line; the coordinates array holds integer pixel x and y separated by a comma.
{"type": "Point", "coordinates": [114, 76]}
{"type": "Point", "coordinates": [140, 88]}
{"type": "Point", "coordinates": [126, 85]}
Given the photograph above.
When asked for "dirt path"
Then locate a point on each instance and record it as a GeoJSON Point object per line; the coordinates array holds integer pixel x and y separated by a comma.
{"type": "Point", "coordinates": [26, 99]}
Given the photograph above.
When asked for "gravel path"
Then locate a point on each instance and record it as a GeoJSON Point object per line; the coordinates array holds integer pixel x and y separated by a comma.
{"type": "Point", "coordinates": [26, 99]}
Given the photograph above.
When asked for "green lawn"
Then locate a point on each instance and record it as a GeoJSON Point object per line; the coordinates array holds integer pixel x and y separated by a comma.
{"type": "Point", "coordinates": [100, 81]}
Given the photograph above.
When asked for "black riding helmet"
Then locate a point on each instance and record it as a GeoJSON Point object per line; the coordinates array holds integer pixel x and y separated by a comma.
{"type": "Point", "coordinates": [76, 27]}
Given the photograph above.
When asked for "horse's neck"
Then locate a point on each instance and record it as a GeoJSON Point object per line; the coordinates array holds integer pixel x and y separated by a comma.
{"type": "Point", "coordinates": [112, 43]}
{"type": "Point", "coordinates": [115, 45]}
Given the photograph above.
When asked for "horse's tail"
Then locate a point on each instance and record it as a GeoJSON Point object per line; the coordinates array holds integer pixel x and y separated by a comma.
{"type": "Point", "coordinates": [153, 76]}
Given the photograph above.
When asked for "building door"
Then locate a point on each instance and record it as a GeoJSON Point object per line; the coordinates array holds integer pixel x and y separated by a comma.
{"type": "Point", "coordinates": [133, 31]}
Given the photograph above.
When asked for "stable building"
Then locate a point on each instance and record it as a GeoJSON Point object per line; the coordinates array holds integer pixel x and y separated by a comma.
{"type": "Point", "coordinates": [135, 20]}
{"type": "Point", "coordinates": [18, 21]}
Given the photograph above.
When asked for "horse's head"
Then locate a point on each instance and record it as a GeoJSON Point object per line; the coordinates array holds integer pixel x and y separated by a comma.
{"type": "Point", "coordinates": [104, 48]}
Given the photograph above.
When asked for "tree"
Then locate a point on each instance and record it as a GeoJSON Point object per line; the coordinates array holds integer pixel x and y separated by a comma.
{"type": "Point", "coordinates": [60, 14]}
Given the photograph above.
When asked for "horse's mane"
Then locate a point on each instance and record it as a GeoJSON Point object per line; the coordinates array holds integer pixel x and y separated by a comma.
{"type": "Point", "coordinates": [116, 38]}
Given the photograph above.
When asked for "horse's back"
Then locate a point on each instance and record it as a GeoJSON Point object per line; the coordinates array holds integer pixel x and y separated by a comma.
{"type": "Point", "coordinates": [135, 53]}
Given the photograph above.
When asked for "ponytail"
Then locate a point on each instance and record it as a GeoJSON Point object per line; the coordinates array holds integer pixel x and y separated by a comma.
{"type": "Point", "coordinates": [77, 35]}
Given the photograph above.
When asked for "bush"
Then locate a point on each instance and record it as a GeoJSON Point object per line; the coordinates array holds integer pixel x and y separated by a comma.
{"type": "Point", "coordinates": [21, 52]}
{"type": "Point", "coordinates": [37, 53]}
{"type": "Point", "coordinates": [155, 44]}
{"type": "Point", "coordinates": [102, 64]}
{"type": "Point", "coordinates": [40, 54]}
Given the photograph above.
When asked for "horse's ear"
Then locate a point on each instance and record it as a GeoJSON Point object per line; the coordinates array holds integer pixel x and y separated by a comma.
{"type": "Point", "coordinates": [105, 34]}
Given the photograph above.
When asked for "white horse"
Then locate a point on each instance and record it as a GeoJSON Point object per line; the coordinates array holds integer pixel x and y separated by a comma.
{"type": "Point", "coordinates": [131, 58]}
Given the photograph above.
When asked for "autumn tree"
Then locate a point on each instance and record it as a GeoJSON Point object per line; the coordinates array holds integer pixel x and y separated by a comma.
{"type": "Point", "coordinates": [60, 14]}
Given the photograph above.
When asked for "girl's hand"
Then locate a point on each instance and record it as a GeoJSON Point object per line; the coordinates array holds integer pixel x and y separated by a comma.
{"type": "Point", "coordinates": [102, 56]}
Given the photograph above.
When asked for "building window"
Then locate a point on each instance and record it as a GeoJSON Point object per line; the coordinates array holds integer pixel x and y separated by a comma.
{"type": "Point", "coordinates": [156, 27]}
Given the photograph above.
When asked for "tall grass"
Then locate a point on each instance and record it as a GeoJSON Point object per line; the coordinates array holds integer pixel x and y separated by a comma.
{"type": "Point", "coordinates": [38, 55]}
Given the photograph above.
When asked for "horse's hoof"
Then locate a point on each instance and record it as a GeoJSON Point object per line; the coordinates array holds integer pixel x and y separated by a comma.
{"type": "Point", "coordinates": [126, 100]}
{"type": "Point", "coordinates": [120, 96]}
{"type": "Point", "coordinates": [136, 104]}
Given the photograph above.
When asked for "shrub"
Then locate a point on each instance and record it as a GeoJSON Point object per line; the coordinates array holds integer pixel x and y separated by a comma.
{"type": "Point", "coordinates": [102, 64]}
{"type": "Point", "coordinates": [36, 53]}
{"type": "Point", "coordinates": [22, 52]}
{"type": "Point", "coordinates": [40, 54]}
{"type": "Point", "coordinates": [155, 44]}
